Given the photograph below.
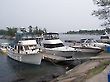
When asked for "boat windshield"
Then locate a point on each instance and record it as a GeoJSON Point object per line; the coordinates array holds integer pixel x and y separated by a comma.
{"type": "Point", "coordinates": [28, 47]}
{"type": "Point", "coordinates": [53, 45]}
{"type": "Point", "coordinates": [90, 41]}
{"type": "Point", "coordinates": [104, 37]}
{"type": "Point", "coordinates": [82, 40]}
{"type": "Point", "coordinates": [51, 36]}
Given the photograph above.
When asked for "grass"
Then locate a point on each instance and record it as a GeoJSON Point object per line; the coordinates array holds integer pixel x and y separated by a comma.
{"type": "Point", "coordinates": [97, 69]}
{"type": "Point", "coordinates": [3, 53]}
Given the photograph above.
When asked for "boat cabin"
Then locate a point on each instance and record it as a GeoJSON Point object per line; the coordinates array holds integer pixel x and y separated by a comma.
{"type": "Point", "coordinates": [104, 37]}
{"type": "Point", "coordinates": [51, 40]}
{"type": "Point", "coordinates": [26, 47]}
{"type": "Point", "coordinates": [53, 45]}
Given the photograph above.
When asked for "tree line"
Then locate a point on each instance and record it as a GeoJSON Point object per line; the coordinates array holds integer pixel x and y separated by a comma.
{"type": "Point", "coordinates": [89, 31]}
{"type": "Point", "coordinates": [11, 31]}
{"type": "Point", "coordinates": [103, 13]}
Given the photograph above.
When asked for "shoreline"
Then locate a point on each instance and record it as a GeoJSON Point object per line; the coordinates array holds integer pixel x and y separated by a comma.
{"type": "Point", "coordinates": [86, 72]}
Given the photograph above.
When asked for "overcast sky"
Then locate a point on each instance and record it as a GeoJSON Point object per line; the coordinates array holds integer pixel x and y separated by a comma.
{"type": "Point", "coordinates": [54, 15]}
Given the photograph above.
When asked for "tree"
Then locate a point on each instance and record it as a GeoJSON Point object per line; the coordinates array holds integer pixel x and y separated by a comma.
{"type": "Point", "coordinates": [45, 31]}
{"type": "Point", "coordinates": [36, 30]}
{"type": "Point", "coordinates": [11, 31]}
{"type": "Point", "coordinates": [103, 12]}
{"type": "Point", "coordinates": [3, 32]}
{"type": "Point", "coordinates": [30, 29]}
{"type": "Point", "coordinates": [39, 31]}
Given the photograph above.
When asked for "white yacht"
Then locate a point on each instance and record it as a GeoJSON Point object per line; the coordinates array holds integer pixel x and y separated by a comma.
{"type": "Point", "coordinates": [53, 45]}
{"type": "Point", "coordinates": [25, 49]}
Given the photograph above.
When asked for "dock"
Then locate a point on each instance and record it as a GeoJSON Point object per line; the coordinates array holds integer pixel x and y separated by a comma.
{"type": "Point", "coordinates": [59, 58]}
{"type": "Point", "coordinates": [89, 71]}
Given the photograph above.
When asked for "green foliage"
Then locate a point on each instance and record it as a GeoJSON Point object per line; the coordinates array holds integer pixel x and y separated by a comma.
{"type": "Point", "coordinates": [89, 31]}
{"type": "Point", "coordinates": [39, 31]}
{"type": "Point", "coordinates": [103, 12]}
{"type": "Point", "coordinates": [102, 2]}
{"type": "Point", "coordinates": [11, 31]}
{"type": "Point", "coordinates": [3, 32]}
{"type": "Point", "coordinates": [97, 69]}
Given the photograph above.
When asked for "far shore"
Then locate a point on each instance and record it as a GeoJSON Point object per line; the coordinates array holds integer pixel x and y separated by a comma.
{"type": "Point", "coordinates": [6, 37]}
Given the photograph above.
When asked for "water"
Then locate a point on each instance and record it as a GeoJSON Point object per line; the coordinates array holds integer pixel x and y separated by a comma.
{"type": "Point", "coordinates": [13, 71]}
{"type": "Point", "coordinates": [77, 36]}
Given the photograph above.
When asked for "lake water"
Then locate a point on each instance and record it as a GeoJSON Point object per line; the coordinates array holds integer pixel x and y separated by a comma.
{"type": "Point", "coordinates": [13, 71]}
{"type": "Point", "coordinates": [77, 36]}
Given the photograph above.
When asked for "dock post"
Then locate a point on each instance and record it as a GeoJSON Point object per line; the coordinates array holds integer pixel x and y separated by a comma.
{"type": "Point", "coordinates": [109, 77]}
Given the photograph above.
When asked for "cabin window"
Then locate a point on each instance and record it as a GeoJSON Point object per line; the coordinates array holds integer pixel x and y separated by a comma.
{"type": "Point", "coordinates": [53, 45]}
{"type": "Point", "coordinates": [51, 36]}
{"type": "Point", "coordinates": [104, 37]}
{"type": "Point", "coordinates": [32, 46]}
{"type": "Point", "coordinates": [26, 47]}
{"type": "Point", "coordinates": [21, 48]}
{"type": "Point", "coordinates": [15, 48]}
{"type": "Point", "coordinates": [88, 41]}
{"type": "Point", "coordinates": [82, 40]}
{"type": "Point", "coordinates": [35, 46]}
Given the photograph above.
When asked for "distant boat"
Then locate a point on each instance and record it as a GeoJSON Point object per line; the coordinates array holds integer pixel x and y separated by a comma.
{"type": "Point", "coordinates": [105, 38]}
{"type": "Point", "coordinates": [93, 42]}
{"type": "Point", "coordinates": [24, 49]}
{"type": "Point", "coordinates": [87, 48]}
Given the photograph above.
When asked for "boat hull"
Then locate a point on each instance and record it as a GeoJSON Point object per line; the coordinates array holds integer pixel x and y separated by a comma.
{"type": "Point", "coordinates": [61, 53]}
{"type": "Point", "coordinates": [89, 50]}
{"type": "Point", "coordinates": [83, 52]}
{"type": "Point", "coordinates": [26, 58]}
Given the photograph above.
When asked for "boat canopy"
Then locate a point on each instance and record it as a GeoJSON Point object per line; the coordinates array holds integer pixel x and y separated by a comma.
{"type": "Point", "coordinates": [104, 37]}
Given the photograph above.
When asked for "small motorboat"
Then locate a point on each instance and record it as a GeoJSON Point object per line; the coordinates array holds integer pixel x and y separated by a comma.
{"type": "Point", "coordinates": [92, 42]}
{"type": "Point", "coordinates": [85, 48]}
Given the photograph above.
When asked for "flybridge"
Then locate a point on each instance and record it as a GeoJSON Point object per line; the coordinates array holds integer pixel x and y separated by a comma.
{"type": "Point", "coordinates": [28, 42]}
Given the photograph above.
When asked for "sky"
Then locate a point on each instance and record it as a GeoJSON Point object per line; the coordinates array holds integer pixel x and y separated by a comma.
{"type": "Point", "coordinates": [54, 15]}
